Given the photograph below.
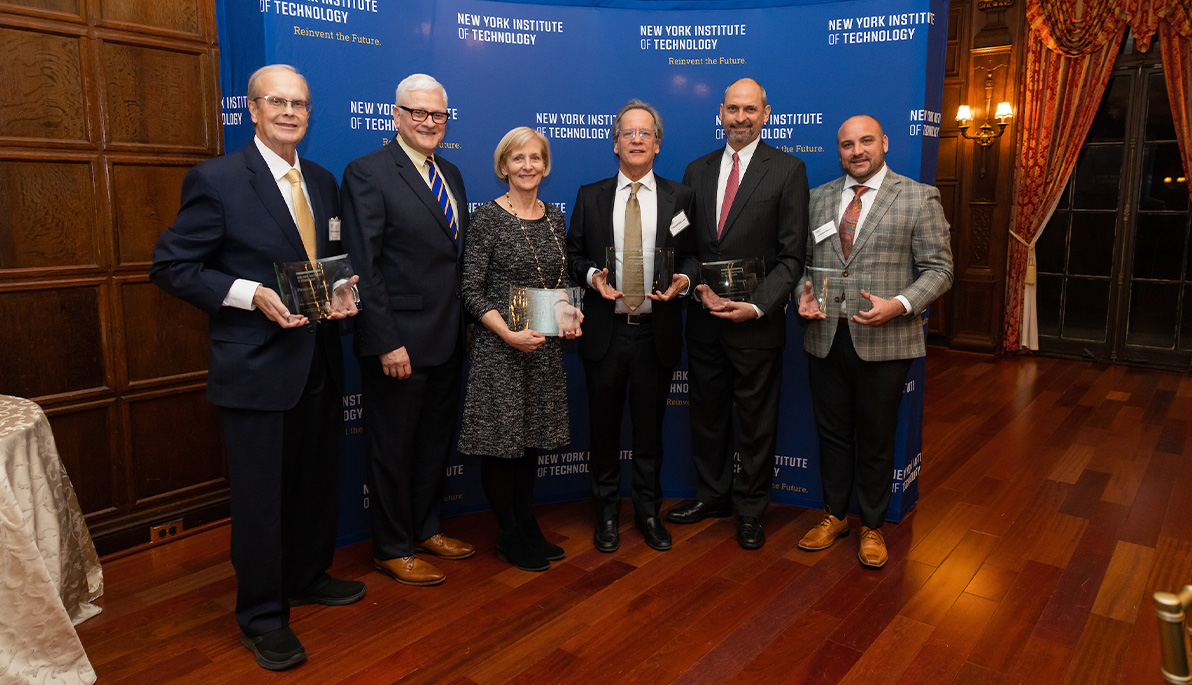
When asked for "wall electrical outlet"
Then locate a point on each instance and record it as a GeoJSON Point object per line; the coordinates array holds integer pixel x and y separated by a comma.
{"type": "Point", "coordinates": [165, 531]}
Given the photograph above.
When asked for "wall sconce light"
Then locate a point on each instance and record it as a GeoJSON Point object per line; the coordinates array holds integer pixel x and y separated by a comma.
{"type": "Point", "coordinates": [986, 134]}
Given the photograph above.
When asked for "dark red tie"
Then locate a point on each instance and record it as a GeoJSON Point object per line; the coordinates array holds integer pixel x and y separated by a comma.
{"type": "Point", "coordinates": [730, 192]}
{"type": "Point", "coordinates": [848, 223]}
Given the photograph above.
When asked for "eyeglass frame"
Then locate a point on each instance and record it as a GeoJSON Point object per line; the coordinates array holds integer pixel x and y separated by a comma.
{"type": "Point", "coordinates": [436, 117]}
{"type": "Point", "coordinates": [284, 103]}
{"type": "Point", "coordinates": [646, 134]}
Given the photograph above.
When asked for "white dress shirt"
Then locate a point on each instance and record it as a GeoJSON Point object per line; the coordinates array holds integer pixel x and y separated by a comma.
{"type": "Point", "coordinates": [744, 156]}
{"type": "Point", "coordinates": [419, 161]}
{"type": "Point", "coordinates": [867, 200]}
{"type": "Point", "coordinates": [241, 293]}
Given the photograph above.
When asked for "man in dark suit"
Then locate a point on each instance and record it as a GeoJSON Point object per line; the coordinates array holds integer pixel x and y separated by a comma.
{"type": "Point", "coordinates": [276, 376]}
{"type": "Point", "coordinates": [405, 216]}
{"type": "Point", "coordinates": [750, 202]}
{"type": "Point", "coordinates": [632, 336]}
{"type": "Point", "coordinates": [889, 232]}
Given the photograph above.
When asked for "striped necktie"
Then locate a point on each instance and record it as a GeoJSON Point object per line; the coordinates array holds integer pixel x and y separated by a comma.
{"type": "Point", "coordinates": [440, 190]}
{"type": "Point", "coordinates": [730, 192]}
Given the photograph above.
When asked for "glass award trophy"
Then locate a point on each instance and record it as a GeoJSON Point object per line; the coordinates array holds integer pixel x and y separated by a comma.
{"type": "Point", "coordinates": [832, 287]}
{"type": "Point", "coordinates": [658, 265]}
{"type": "Point", "coordinates": [734, 279]}
{"type": "Point", "coordinates": [550, 311]}
{"type": "Point", "coordinates": [315, 289]}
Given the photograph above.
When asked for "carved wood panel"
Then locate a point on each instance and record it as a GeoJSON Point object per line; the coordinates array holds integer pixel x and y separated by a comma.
{"type": "Point", "coordinates": [41, 86]}
{"type": "Point", "coordinates": [176, 445]}
{"type": "Point", "coordinates": [47, 214]}
{"type": "Point", "coordinates": [84, 438]}
{"type": "Point", "coordinates": [145, 200]}
{"type": "Point", "coordinates": [163, 336]}
{"type": "Point", "coordinates": [52, 341]}
{"type": "Point", "coordinates": [173, 15]}
{"type": "Point", "coordinates": [48, 6]}
{"type": "Point", "coordinates": [154, 96]}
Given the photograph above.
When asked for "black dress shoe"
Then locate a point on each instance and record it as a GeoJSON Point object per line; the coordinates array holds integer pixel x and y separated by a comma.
{"type": "Point", "coordinates": [654, 533]}
{"type": "Point", "coordinates": [275, 650]}
{"type": "Point", "coordinates": [333, 593]}
{"type": "Point", "coordinates": [749, 532]}
{"type": "Point", "coordinates": [551, 551]}
{"type": "Point", "coordinates": [516, 547]}
{"type": "Point", "coordinates": [696, 511]}
{"type": "Point", "coordinates": [606, 536]}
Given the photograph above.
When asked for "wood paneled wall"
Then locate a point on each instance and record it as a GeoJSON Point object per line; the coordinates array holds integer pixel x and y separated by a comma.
{"type": "Point", "coordinates": [984, 37]}
{"type": "Point", "coordinates": [104, 105]}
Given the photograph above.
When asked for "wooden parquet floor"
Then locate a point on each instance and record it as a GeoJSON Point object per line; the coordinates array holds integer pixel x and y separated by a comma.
{"type": "Point", "coordinates": [1055, 498]}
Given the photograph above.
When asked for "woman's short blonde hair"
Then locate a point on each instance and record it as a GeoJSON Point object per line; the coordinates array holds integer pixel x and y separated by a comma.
{"type": "Point", "coordinates": [515, 139]}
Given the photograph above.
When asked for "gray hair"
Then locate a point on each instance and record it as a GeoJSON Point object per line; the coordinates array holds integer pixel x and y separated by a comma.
{"type": "Point", "coordinates": [419, 82]}
{"type": "Point", "coordinates": [763, 89]}
{"type": "Point", "coordinates": [255, 80]}
{"type": "Point", "coordinates": [644, 106]}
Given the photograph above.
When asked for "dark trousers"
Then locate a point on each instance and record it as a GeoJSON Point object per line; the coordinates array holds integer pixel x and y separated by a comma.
{"type": "Point", "coordinates": [409, 426]}
{"type": "Point", "coordinates": [629, 366]}
{"type": "Point", "coordinates": [856, 416]}
{"type": "Point", "coordinates": [720, 375]}
{"type": "Point", "coordinates": [284, 476]}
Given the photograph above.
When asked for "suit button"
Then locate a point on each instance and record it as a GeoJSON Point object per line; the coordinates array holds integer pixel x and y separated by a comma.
{"type": "Point", "coordinates": [310, 328]}
{"type": "Point", "coordinates": [845, 274]}
{"type": "Point", "coordinates": [836, 300]}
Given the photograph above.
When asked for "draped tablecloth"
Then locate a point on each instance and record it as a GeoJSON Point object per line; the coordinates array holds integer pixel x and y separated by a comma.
{"type": "Point", "coordinates": [49, 571]}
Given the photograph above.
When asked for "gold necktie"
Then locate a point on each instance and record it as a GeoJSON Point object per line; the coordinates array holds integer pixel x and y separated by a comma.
{"type": "Point", "coordinates": [306, 222]}
{"type": "Point", "coordinates": [634, 282]}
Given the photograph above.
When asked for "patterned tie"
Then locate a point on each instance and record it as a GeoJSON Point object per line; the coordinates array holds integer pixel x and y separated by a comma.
{"type": "Point", "coordinates": [634, 280]}
{"type": "Point", "coordinates": [306, 222]}
{"type": "Point", "coordinates": [848, 223]}
{"type": "Point", "coordinates": [440, 191]}
{"type": "Point", "coordinates": [730, 192]}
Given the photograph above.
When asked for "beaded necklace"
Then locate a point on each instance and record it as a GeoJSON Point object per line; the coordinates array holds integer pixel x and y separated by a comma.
{"type": "Point", "coordinates": [526, 235]}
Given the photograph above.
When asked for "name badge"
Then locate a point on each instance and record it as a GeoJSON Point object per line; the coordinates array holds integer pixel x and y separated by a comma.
{"type": "Point", "coordinates": [823, 232]}
{"type": "Point", "coordinates": [679, 222]}
{"type": "Point", "coordinates": [333, 228]}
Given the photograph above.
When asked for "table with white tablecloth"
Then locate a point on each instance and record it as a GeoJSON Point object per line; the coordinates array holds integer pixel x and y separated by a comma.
{"type": "Point", "coordinates": [49, 571]}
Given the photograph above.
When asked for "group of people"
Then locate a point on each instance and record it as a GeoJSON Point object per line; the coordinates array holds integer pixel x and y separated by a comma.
{"type": "Point", "coordinates": [434, 285]}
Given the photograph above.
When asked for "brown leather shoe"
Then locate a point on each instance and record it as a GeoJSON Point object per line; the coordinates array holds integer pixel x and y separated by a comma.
{"type": "Point", "coordinates": [410, 570]}
{"type": "Point", "coordinates": [873, 548]}
{"type": "Point", "coordinates": [444, 547]}
{"type": "Point", "coordinates": [825, 534]}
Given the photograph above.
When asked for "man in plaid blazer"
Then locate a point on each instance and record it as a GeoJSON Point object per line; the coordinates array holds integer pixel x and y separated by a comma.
{"type": "Point", "coordinates": [878, 254]}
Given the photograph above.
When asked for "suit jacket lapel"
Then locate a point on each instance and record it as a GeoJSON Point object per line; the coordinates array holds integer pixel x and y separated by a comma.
{"type": "Point", "coordinates": [413, 178]}
{"type": "Point", "coordinates": [708, 190]}
{"type": "Point", "coordinates": [604, 210]}
{"type": "Point", "coordinates": [831, 209]}
{"type": "Point", "coordinates": [266, 189]}
{"type": "Point", "coordinates": [881, 204]}
{"type": "Point", "coordinates": [666, 210]}
{"type": "Point", "coordinates": [322, 236]}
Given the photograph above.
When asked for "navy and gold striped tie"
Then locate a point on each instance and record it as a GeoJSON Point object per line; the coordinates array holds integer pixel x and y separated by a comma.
{"type": "Point", "coordinates": [440, 190]}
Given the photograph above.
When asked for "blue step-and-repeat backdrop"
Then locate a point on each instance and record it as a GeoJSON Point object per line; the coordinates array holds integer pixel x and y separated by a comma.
{"type": "Point", "coordinates": [565, 68]}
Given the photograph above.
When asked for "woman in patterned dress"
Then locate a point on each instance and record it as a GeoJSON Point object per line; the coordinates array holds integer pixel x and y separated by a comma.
{"type": "Point", "coordinates": [516, 402]}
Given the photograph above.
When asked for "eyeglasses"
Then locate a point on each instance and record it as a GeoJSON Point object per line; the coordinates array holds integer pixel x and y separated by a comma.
{"type": "Point", "coordinates": [421, 114]}
{"type": "Point", "coordinates": [277, 103]}
{"type": "Point", "coordinates": [643, 133]}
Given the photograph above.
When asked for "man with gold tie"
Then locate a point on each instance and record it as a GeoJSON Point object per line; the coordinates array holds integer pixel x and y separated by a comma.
{"type": "Point", "coordinates": [632, 333]}
{"type": "Point", "coordinates": [276, 376]}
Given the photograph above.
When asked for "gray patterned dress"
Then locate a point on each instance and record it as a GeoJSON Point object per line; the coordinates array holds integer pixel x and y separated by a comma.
{"type": "Point", "coordinates": [514, 400]}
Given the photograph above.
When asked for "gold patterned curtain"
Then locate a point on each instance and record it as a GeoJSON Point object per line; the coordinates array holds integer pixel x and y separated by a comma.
{"type": "Point", "coordinates": [1071, 48]}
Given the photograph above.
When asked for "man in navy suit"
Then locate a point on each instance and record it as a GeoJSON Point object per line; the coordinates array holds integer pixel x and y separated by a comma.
{"type": "Point", "coordinates": [750, 203]}
{"type": "Point", "coordinates": [405, 216]}
{"type": "Point", "coordinates": [276, 376]}
{"type": "Point", "coordinates": [632, 335]}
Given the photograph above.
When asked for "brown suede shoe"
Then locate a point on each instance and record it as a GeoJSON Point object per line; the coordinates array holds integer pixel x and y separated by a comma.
{"type": "Point", "coordinates": [825, 534]}
{"type": "Point", "coordinates": [873, 548]}
{"type": "Point", "coordinates": [444, 547]}
{"type": "Point", "coordinates": [410, 570]}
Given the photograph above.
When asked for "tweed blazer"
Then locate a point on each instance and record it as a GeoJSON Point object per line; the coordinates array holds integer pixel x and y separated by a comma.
{"type": "Point", "coordinates": [902, 248]}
